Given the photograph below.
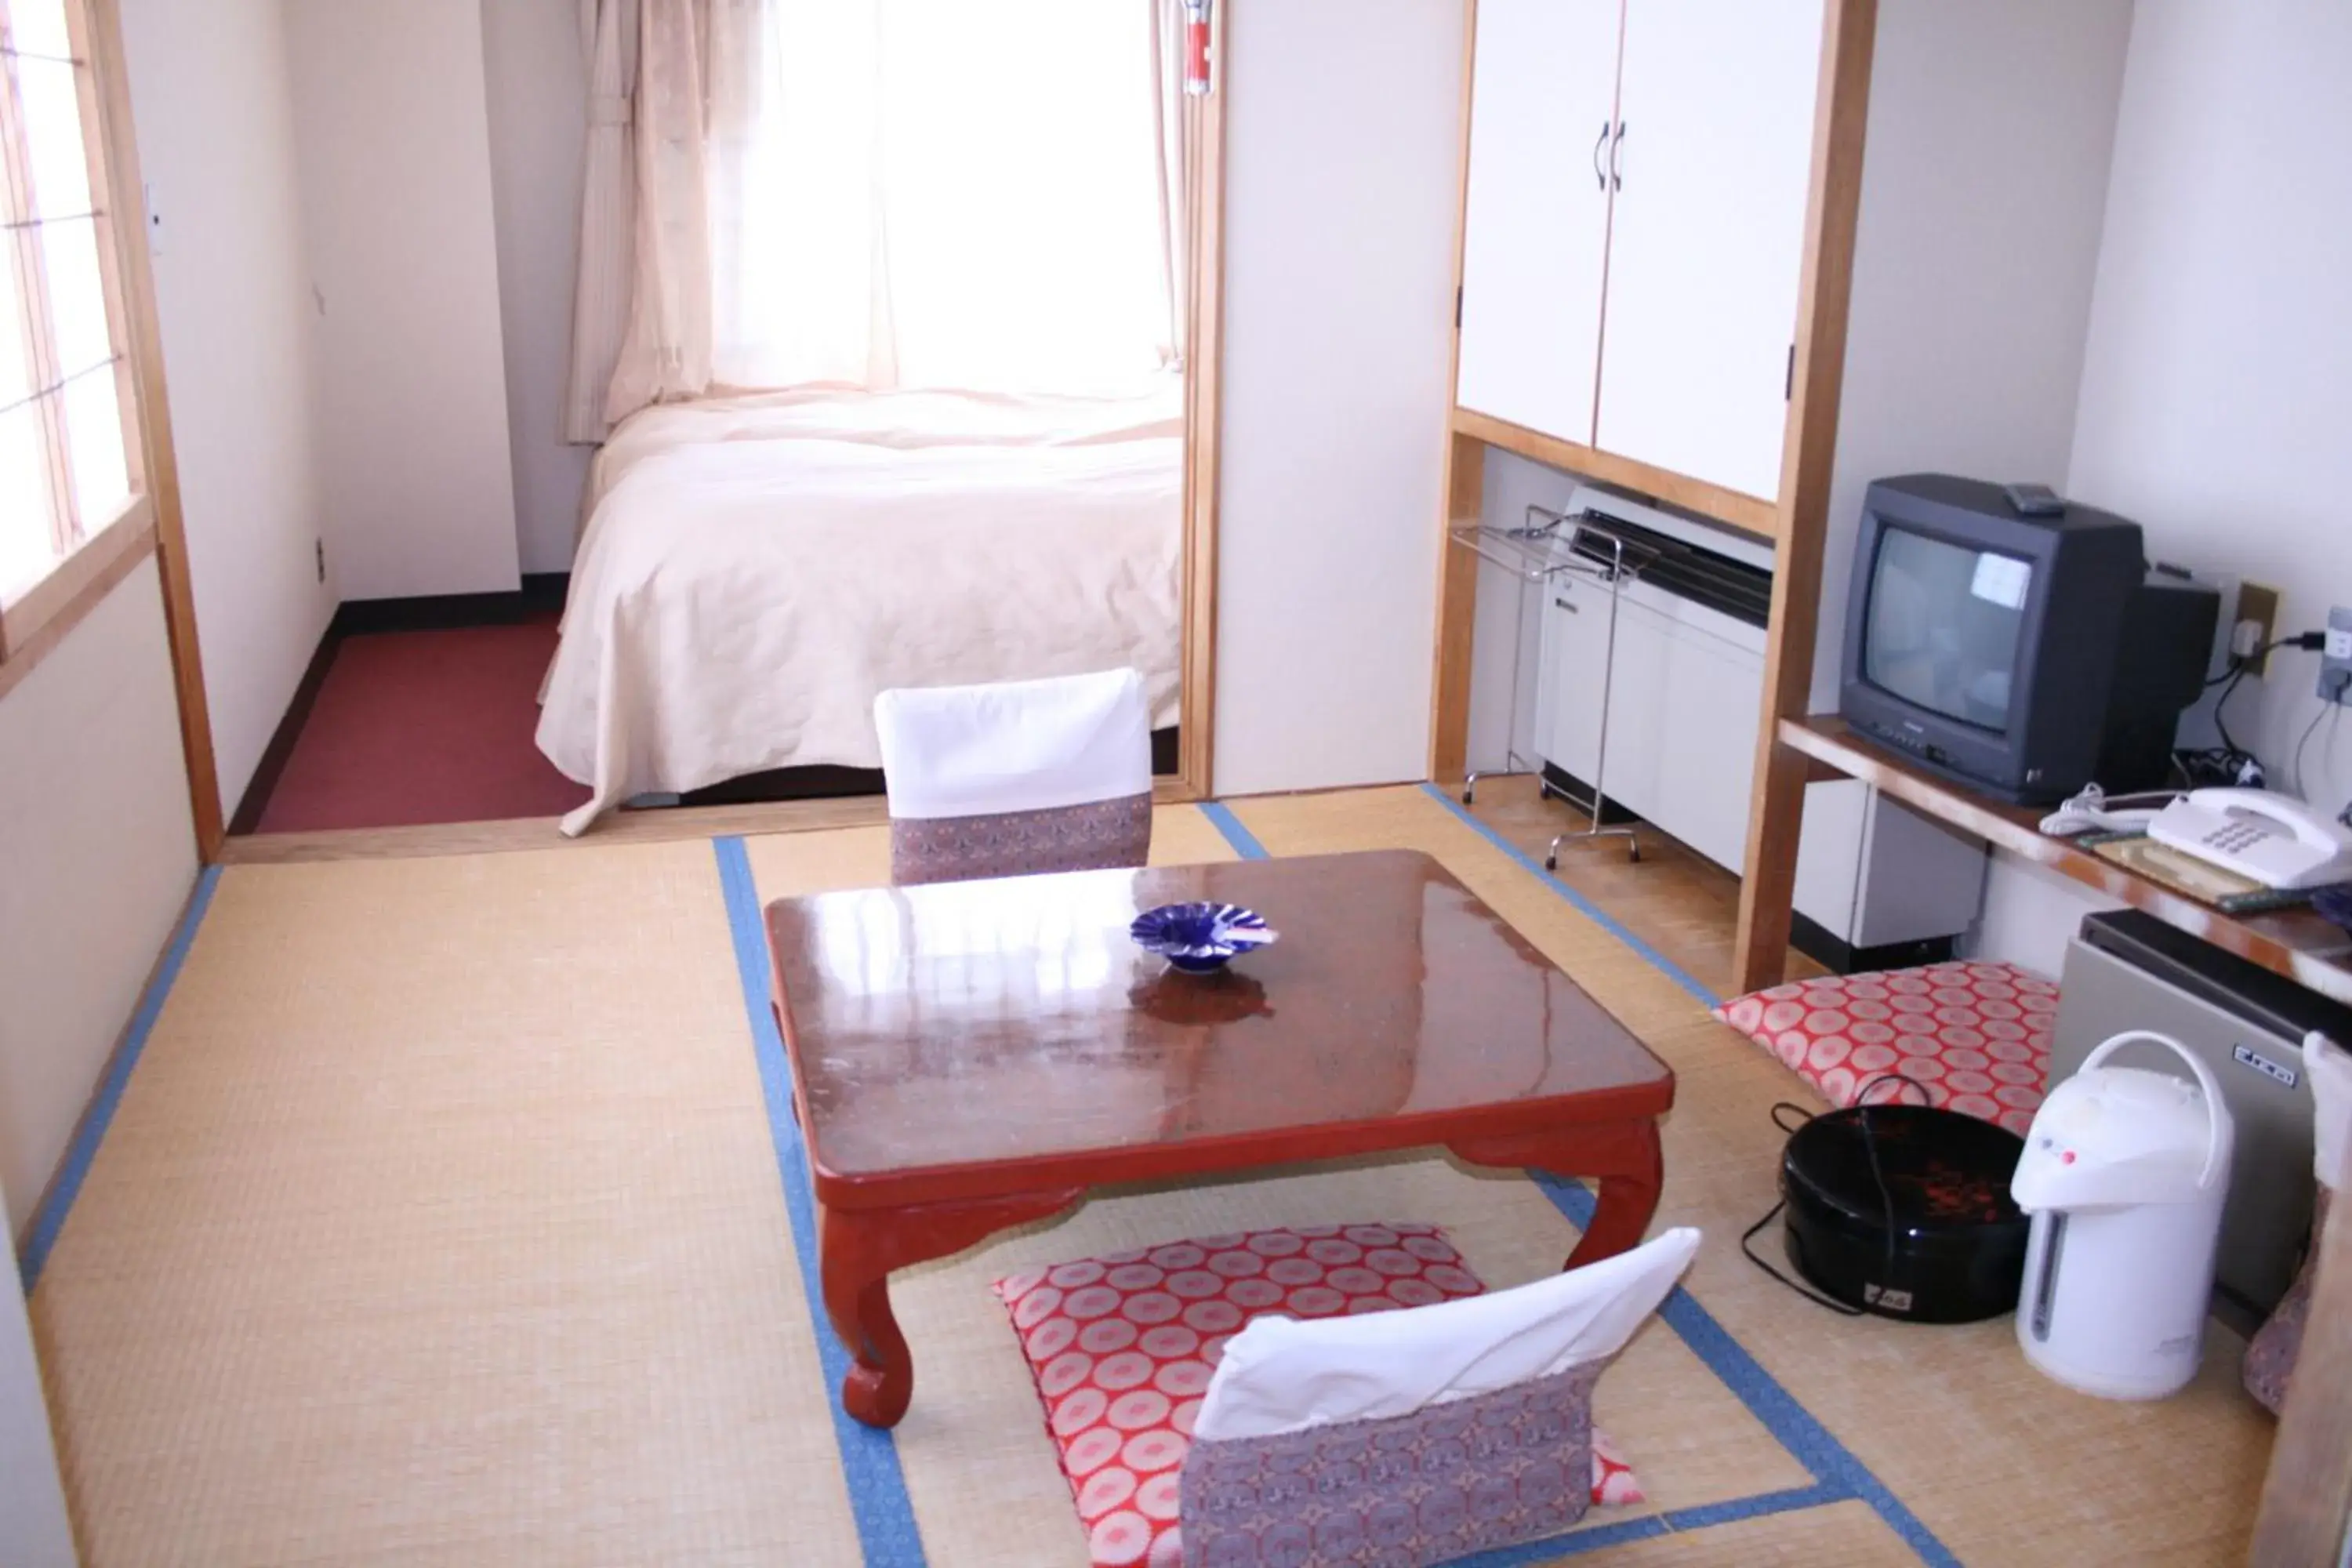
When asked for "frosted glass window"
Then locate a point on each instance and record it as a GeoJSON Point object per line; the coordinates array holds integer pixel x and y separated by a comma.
{"type": "Point", "coordinates": [38, 28]}
{"type": "Point", "coordinates": [50, 91]}
{"type": "Point", "coordinates": [94, 435]}
{"type": "Point", "coordinates": [65, 469]}
{"type": "Point", "coordinates": [15, 369]}
{"type": "Point", "coordinates": [77, 296]}
{"type": "Point", "coordinates": [26, 551]}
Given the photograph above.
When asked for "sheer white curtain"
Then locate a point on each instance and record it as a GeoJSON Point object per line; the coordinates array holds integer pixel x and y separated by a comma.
{"type": "Point", "coordinates": [668, 350]}
{"type": "Point", "coordinates": [600, 300]}
{"type": "Point", "coordinates": [908, 193]}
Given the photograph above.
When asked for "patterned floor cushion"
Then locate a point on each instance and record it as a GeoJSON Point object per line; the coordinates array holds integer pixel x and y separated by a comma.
{"type": "Point", "coordinates": [1122, 1347]}
{"type": "Point", "coordinates": [1975, 1035]}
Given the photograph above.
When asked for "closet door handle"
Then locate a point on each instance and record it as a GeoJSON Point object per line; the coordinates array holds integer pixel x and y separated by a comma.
{"type": "Point", "coordinates": [1599, 178]}
{"type": "Point", "coordinates": [1616, 157]}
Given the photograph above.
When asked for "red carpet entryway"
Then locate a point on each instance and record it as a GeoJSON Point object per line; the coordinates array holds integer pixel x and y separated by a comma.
{"type": "Point", "coordinates": [425, 727]}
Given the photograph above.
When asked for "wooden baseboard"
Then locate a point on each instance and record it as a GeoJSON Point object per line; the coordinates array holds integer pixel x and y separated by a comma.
{"type": "Point", "coordinates": [541, 593]}
{"type": "Point", "coordinates": [272, 767]}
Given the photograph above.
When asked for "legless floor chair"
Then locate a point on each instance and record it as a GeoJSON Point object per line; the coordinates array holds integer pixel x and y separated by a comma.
{"type": "Point", "coordinates": [1323, 1394]}
{"type": "Point", "coordinates": [1420, 1436]}
{"type": "Point", "coordinates": [1017, 778]}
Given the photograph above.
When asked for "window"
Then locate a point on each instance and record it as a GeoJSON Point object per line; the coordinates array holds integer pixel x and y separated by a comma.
{"type": "Point", "coordinates": [66, 471]}
{"type": "Point", "coordinates": [940, 194]}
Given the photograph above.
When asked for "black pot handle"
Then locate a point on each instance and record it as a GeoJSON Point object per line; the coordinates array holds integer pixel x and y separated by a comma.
{"type": "Point", "coordinates": [1861, 1095]}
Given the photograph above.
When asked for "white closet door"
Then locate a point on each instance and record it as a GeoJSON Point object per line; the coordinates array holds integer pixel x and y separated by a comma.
{"type": "Point", "coordinates": [1535, 232]}
{"type": "Point", "coordinates": [1707, 240]}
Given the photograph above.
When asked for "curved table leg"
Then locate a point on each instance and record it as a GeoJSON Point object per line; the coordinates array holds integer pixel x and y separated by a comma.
{"type": "Point", "coordinates": [1625, 1157]}
{"type": "Point", "coordinates": [860, 1247]}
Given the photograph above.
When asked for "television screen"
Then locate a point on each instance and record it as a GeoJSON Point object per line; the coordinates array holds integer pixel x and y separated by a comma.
{"type": "Point", "coordinates": [1944, 625]}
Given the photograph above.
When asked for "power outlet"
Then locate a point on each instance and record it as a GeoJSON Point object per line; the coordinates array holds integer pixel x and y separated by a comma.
{"type": "Point", "coordinates": [2260, 606]}
{"type": "Point", "coordinates": [2335, 659]}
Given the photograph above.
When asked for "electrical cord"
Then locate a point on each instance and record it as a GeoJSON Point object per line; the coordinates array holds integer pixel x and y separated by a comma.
{"type": "Point", "coordinates": [2329, 704]}
{"type": "Point", "coordinates": [1879, 1176]}
{"type": "Point", "coordinates": [2230, 763]}
{"type": "Point", "coordinates": [2240, 664]}
{"type": "Point", "coordinates": [2092, 809]}
{"type": "Point", "coordinates": [2220, 705]}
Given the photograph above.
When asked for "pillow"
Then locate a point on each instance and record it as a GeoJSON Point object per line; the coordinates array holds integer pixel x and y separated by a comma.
{"type": "Point", "coordinates": [1123, 1347]}
{"type": "Point", "coordinates": [1974, 1035]}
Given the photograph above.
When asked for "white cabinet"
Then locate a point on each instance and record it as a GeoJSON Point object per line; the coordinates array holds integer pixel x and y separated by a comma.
{"type": "Point", "coordinates": [1535, 225]}
{"type": "Point", "coordinates": [1681, 689]}
{"type": "Point", "coordinates": [1633, 225]}
{"type": "Point", "coordinates": [1683, 692]}
{"type": "Point", "coordinates": [1684, 679]}
{"type": "Point", "coordinates": [1714, 157]}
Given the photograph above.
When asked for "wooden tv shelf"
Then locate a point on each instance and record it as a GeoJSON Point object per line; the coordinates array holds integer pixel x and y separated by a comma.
{"type": "Point", "coordinates": [2297, 943]}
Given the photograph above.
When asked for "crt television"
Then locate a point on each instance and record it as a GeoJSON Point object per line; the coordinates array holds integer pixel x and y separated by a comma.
{"type": "Point", "coordinates": [2025, 655]}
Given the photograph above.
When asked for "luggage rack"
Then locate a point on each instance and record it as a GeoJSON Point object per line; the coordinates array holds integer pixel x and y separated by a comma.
{"type": "Point", "coordinates": [1551, 544]}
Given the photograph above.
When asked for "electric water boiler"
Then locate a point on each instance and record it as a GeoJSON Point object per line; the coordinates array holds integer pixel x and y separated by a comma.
{"type": "Point", "coordinates": [2124, 1173]}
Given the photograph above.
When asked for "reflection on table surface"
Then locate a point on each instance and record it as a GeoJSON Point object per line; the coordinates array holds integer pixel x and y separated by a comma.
{"type": "Point", "coordinates": [964, 1021]}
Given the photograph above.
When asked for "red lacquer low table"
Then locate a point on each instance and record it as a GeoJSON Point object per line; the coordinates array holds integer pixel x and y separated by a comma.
{"type": "Point", "coordinates": [971, 1056]}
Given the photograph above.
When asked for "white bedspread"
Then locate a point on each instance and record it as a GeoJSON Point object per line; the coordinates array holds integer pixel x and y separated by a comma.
{"type": "Point", "coordinates": [757, 569]}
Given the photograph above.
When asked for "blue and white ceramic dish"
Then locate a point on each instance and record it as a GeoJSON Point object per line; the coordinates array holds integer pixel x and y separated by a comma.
{"type": "Point", "coordinates": [1198, 938]}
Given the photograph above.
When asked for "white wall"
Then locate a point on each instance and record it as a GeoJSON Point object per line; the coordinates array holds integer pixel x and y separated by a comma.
{"type": "Point", "coordinates": [2217, 386]}
{"type": "Point", "coordinates": [1342, 138]}
{"type": "Point", "coordinates": [538, 113]}
{"type": "Point", "coordinates": [393, 141]}
{"type": "Point", "coordinates": [209, 88]}
{"type": "Point", "coordinates": [99, 855]}
{"type": "Point", "coordinates": [34, 1525]}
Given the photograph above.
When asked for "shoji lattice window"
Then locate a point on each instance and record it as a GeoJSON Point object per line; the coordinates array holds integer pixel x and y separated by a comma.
{"type": "Point", "coordinates": [67, 470]}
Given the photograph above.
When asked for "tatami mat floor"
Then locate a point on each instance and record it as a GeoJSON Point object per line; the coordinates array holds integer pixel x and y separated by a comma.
{"type": "Point", "coordinates": [449, 1213]}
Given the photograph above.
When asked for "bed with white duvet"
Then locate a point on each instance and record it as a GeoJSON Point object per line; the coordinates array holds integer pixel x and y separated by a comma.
{"type": "Point", "coordinates": [755, 569]}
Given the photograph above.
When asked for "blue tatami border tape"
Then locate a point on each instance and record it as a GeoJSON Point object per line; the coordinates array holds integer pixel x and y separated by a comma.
{"type": "Point", "coordinates": [1649, 1526]}
{"type": "Point", "coordinates": [1584, 906]}
{"type": "Point", "coordinates": [1790, 1424]}
{"type": "Point", "coordinates": [885, 1514]}
{"type": "Point", "coordinates": [49, 1222]}
{"type": "Point", "coordinates": [1839, 1474]}
{"type": "Point", "coordinates": [1833, 1464]}
{"type": "Point", "coordinates": [1244, 841]}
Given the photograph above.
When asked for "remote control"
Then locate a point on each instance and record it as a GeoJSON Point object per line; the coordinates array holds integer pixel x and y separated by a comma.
{"type": "Point", "coordinates": [2034, 501]}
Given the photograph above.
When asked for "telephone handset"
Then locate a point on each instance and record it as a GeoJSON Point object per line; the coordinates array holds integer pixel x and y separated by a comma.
{"type": "Point", "coordinates": [2274, 840]}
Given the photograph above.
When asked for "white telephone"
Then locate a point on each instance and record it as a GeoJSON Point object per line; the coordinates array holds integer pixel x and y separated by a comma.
{"type": "Point", "coordinates": [2274, 840]}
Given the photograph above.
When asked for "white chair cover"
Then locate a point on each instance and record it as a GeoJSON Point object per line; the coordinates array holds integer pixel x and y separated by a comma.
{"type": "Point", "coordinates": [1283, 1375]}
{"type": "Point", "coordinates": [2330, 1066]}
{"type": "Point", "coordinates": [1019, 745]}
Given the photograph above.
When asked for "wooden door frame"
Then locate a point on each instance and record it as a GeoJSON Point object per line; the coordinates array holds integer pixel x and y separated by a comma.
{"type": "Point", "coordinates": [1453, 656]}
{"type": "Point", "coordinates": [1808, 466]}
{"type": "Point", "coordinates": [144, 329]}
{"type": "Point", "coordinates": [1205, 154]}
{"type": "Point", "coordinates": [1204, 337]}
